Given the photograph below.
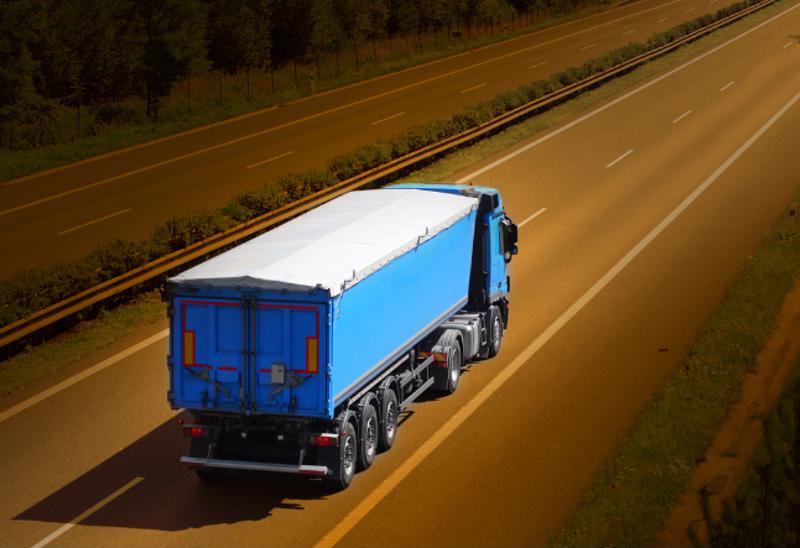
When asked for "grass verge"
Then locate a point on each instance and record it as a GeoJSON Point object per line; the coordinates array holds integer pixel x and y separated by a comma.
{"type": "Point", "coordinates": [636, 489]}
{"type": "Point", "coordinates": [81, 341]}
{"type": "Point", "coordinates": [765, 509]}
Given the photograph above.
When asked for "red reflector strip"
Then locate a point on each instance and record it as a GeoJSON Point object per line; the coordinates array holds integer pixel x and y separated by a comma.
{"type": "Point", "coordinates": [227, 368]}
{"type": "Point", "coordinates": [307, 472]}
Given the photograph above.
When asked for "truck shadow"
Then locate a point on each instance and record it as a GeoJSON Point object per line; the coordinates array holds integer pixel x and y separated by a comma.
{"type": "Point", "coordinates": [171, 497]}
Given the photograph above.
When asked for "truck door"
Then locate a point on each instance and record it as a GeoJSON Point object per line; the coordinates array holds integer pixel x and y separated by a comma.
{"type": "Point", "coordinates": [289, 359]}
{"type": "Point", "coordinates": [497, 266]}
{"type": "Point", "coordinates": [208, 338]}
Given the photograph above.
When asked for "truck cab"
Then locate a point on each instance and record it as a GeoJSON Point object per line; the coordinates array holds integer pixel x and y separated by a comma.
{"type": "Point", "coordinates": [494, 245]}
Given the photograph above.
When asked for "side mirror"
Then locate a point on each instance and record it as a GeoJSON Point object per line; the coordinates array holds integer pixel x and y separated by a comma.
{"type": "Point", "coordinates": [510, 234]}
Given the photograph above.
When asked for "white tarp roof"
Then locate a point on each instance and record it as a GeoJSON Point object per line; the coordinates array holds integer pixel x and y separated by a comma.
{"type": "Point", "coordinates": [335, 245]}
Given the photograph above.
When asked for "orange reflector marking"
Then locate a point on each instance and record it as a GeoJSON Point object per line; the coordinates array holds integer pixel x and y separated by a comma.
{"type": "Point", "coordinates": [188, 347]}
{"type": "Point", "coordinates": [311, 354]}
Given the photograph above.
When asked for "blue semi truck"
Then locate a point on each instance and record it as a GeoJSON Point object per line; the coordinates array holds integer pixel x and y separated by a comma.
{"type": "Point", "coordinates": [296, 351]}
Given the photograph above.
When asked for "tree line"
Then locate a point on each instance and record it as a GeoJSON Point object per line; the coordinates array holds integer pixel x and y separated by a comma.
{"type": "Point", "coordinates": [57, 54]}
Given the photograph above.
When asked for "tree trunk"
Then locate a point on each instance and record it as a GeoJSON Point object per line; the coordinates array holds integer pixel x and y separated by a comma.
{"type": "Point", "coordinates": [355, 50]}
{"type": "Point", "coordinates": [316, 61]}
{"type": "Point", "coordinates": [338, 65]}
{"type": "Point", "coordinates": [220, 85]}
{"type": "Point", "coordinates": [294, 65]}
{"type": "Point", "coordinates": [247, 78]}
{"type": "Point", "coordinates": [78, 120]}
{"type": "Point", "coordinates": [374, 52]}
{"type": "Point", "coordinates": [189, 93]}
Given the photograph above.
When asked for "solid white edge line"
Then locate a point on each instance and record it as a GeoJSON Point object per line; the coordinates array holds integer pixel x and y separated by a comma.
{"type": "Point", "coordinates": [100, 219]}
{"type": "Point", "coordinates": [662, 19]}
{"type": "Point", "coordinates": [689, 9]}
{"type": "Point", "coordinates": [392, 117]}
{"type": "Point", "coordinates": [63, 385]}
{"type": "Point", "coordinates": [787, 44]}
{"type": "Point", "coordinates": [67, 526]}
{"type": "Point", "coordinates": [726, 86]}
{"type": "Point", "coordinates": [682, 116]}
{"type": "Point", "coordinates": [537, 65]}
{"type": "Point", "coordinates": [394, 478]}
{"type": "Point", "coordinates": [590, 46]}
{"type": "Point", "coordinates": [473, 88]}
{"type": "Point", "coordinates": [614, 102]}
{"type": "Point", "coordinates": [620, 158]}
{"type": "Point", "coordinates": [268, 160]}
{"type": "Point", "coordinates": [529, 218]}
{"type": "Point", "coordinates": [627, 32]}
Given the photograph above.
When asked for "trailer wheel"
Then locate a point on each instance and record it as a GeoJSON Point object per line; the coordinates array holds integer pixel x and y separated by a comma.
{"type": "Point", "coordinates": [369, 437]}
{"type": "Point", "coordinates": [495, 332]}
{"type": "Point", "coordinates": [348, 449]}
{"type": "Point", "coordinates": [389, 411]}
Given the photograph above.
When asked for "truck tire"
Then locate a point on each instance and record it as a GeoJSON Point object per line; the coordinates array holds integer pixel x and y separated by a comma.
{"type": "Point", "coordinates": [495, 332]}
{"type": "Point", "coordinates": [454, 364]}
{"type": "Point", "coordinates": [389, 411]}
{"type": "Point", "coordinates": [368, 437]}
{"type": "Point", "coordinates": [447, 378]}
{"type": "Point", "coordinates": [348, 451]}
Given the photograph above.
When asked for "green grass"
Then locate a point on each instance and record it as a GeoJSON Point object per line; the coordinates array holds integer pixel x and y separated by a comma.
{"type": "Point", "coordinates": [635, 491]}
{"type": "Point", "coordinates": [80, 342]}
{"type": "Point", "coordinates": [206, 108]}
{"type": "Point", "coordinates": [765, 508]}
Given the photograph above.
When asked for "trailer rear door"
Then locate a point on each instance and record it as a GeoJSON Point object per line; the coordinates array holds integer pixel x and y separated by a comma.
{"type": "Point", "coordinates": [289, 346]}
{"type": "Point", "coordinates": [207, 343]}
{"type": "Point", "coordinates": [249, 356]}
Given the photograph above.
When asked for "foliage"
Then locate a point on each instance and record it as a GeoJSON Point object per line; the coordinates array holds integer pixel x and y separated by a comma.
{"type": "Point", "coordinates": [29, 291]}
{"type": "Point", "coordinates": [59, 69]}
{"type": "Point", "coordinates": [765, 509]}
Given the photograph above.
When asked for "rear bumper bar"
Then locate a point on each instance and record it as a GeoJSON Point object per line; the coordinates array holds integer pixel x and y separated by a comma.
{"type": "Point", "coordinates": [306, 469]}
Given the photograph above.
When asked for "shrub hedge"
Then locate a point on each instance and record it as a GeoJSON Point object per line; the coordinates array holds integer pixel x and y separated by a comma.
{"type": "Point", "coordinates": [31, 290]}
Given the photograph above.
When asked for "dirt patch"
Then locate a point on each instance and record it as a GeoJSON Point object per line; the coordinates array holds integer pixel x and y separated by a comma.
{"type": "Point", "coordinates": [724, 465]}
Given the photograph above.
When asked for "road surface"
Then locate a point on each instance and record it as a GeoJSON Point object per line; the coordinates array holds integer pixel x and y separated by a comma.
{"type": "Point", "coordinates": [634, 218]}
{"type": "Point", "coordinates": [64, 213]}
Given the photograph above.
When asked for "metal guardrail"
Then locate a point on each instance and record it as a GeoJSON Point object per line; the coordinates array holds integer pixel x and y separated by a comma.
{"type": "Point", "coordinates": [48, 316]}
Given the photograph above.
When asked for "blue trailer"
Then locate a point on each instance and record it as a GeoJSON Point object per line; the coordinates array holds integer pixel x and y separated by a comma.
{"type": "Point", "coordinates": [296, 351]}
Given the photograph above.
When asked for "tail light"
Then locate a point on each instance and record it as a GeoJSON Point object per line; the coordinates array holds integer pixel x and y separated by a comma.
{"type": "Point", "coordinates": [439, 358]}
{"type": "Point", "coordinates": [325, 440]}
{"type": "Point", "coordinates": [194, 431]}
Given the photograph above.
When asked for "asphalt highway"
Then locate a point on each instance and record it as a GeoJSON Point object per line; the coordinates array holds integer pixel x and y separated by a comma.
{"type": "Point", "coordinates": [63, 213]}
{"type": "Point", "coordinates": [634, 219]}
